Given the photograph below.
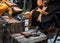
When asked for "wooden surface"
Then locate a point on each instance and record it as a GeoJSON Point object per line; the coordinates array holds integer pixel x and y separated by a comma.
{"type": "Point", "coordinates": [21, 39]}
{"type": "Point", "coordinates": [10, 20]}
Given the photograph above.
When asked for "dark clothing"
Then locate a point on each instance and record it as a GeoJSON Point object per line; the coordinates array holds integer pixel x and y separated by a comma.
{"type": "Point", "coordinates": [46, 20]}
{"type": "Point", "coordinates": [34, 4]}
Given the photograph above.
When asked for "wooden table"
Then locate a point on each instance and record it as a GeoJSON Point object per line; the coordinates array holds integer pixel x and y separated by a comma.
{"type": "Point", "coordinates": [21, 39]}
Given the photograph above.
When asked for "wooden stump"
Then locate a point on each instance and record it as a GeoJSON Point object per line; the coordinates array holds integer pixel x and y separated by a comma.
{"type": "Point", "coordinates": [13, 26]}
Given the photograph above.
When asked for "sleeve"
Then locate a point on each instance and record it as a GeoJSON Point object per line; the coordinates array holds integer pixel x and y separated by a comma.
{"type": "Point", "coordinates": [56, 20]}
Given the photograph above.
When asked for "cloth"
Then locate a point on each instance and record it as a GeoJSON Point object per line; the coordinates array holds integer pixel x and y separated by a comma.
{"type": "Point", "coordinates": [46, 20]}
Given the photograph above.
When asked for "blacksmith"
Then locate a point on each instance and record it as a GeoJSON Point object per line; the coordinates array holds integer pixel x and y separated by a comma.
{"type": "Point", "coordinates": [44, 15]}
